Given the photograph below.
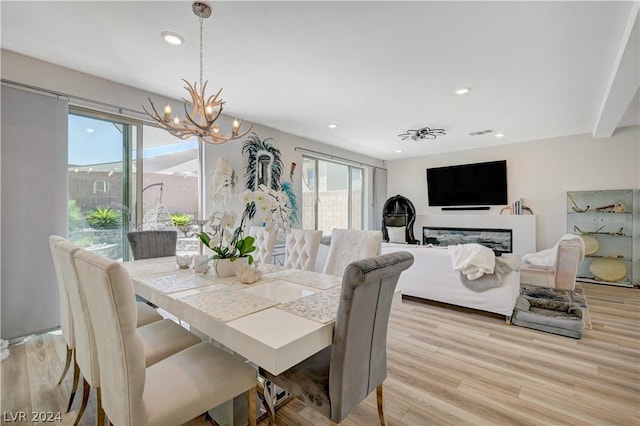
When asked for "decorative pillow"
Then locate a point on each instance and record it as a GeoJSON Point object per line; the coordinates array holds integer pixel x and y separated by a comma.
{"type": "Point", "coordinates": [397, 234]}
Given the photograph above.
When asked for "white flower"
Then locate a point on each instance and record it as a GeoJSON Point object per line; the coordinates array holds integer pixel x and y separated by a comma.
{"type": "Point", "coordinates": [228, 220]}
{"type": "Point", "coordinates": [247, 197]}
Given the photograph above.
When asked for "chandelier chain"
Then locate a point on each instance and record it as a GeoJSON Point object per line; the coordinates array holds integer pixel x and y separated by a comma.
{"type": "Point", "coordinates": [201, 50]}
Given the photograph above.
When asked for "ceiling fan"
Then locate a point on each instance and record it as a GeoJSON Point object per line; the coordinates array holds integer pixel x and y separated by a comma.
{"type": "Point", "coordinates": [423, 133]}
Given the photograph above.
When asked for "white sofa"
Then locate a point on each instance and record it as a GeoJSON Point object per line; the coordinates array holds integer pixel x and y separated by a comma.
{"type": "Point", "coordinates": [432, 277]}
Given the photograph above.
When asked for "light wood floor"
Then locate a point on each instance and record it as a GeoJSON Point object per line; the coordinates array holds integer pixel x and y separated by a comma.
{"type": "Point", "coordinates": [445, 366]}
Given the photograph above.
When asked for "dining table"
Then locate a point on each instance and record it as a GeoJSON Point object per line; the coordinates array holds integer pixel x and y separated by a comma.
{"type": "Point", "coordinates": [276, 322]}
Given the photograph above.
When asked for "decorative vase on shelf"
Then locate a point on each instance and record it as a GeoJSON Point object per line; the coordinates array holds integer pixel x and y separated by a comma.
{"type": "Point", "coordinates": [227, 268]}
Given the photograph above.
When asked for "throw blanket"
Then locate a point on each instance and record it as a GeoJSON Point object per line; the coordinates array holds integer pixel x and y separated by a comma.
{"type": "Point", "coordinates": [473, 260]}
{"type": "Point", "coordinates": [547, 258]}
{"type": "Point", "coordinates": [503, 267]}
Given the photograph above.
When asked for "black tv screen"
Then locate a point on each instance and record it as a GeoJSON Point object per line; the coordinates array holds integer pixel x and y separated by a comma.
{"type": "Point", "coordinates": [479, 184]}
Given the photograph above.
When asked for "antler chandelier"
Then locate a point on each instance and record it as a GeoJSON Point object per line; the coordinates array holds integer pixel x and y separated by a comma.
{"type": "Point", "coordinates": [423, 133]}
{"type": "Point", "coordinates": [200, 115]}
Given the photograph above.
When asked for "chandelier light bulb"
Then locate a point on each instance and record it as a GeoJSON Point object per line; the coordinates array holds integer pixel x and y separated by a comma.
{"type": "Point", "coordinates": [167, 112]}
{"type": "Point", "coordinates": [176, 120]}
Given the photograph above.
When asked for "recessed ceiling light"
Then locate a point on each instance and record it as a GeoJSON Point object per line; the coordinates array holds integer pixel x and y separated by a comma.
{"type": "Point", "coordinates": [398, 151]}
{"type": "Point", "coordinates": [499, 135]}
{"type": "Point", "coordinates": [463, 91]}
{"type": "Point", "coordinates": [172, 38]}
{"type": "Point", "coordinates": [333, 126]}
{"type": "Point", "coordinates": [89, 130]}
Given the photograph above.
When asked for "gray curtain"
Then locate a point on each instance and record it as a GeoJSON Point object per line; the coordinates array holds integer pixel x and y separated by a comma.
{"type": "Point", "coordinates": [33, 155]}
{"type": "Point", "coordinates": [379, 197]}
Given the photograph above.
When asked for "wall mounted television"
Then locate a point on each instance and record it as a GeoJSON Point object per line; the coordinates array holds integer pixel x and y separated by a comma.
{"type": "Point", "coordinates": [478, 184]}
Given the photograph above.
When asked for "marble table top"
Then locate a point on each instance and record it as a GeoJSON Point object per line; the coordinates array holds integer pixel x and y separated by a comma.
{"type": "Point", "coordinates": [275, 322]}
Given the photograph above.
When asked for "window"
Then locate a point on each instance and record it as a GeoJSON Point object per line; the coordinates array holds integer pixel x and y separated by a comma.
{"type": "Point", "coordinates": [169, 180]}
{"type": "Point", "coordinates": [108, 196]}
{"type": "Point", "coordinates": [332, 195]}
{"type": "Point", "coordinates": [99, 185]}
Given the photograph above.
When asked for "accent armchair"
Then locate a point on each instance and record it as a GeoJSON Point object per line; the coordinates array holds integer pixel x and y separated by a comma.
{"type": "Point", "coordinates": [555, 268]}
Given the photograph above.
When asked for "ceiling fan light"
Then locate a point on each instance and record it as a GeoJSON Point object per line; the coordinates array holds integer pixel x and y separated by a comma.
{"type": "Point", "coordinates": [421, 134]}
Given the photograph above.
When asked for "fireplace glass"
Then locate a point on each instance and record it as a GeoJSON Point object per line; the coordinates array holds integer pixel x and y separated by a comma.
{"type": "Point", "coordinates": [499, 240]}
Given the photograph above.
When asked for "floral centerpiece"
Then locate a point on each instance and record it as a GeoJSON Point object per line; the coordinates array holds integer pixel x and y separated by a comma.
{"type": "Point", "coordinates": [227, 241]}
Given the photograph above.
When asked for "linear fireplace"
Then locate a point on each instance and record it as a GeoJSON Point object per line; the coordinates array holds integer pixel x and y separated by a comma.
{"type": "Point", "coordinates": [500, 240]}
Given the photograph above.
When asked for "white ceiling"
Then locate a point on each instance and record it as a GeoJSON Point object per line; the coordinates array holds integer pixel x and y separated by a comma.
{"type": "Point", "coordinates": [536, 69]}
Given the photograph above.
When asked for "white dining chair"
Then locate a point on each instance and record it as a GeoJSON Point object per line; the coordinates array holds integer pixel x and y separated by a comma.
{"type": "Point", "coordinates": [146, 315]}
{"type": "Point", "coordinates": [349, 245]}
{"type": "Point", "coordinates": [301, 249]}
{"type": "Point", "coordinates": [169, 392]}
{"type": "Point", "coordinates": [160, 338]}
{"type": "Point", "coordinates": [264, 242]}
{"type": "Point", "coordinates": [66, 322]}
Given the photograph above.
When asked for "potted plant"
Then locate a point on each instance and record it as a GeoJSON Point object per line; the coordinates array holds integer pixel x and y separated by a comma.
{"type": "Point", "coordinates": [228, 242]}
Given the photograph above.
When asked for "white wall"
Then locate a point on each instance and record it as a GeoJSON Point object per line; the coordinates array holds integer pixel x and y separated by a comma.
{"type": "Point", "coordinates": [539, 171]}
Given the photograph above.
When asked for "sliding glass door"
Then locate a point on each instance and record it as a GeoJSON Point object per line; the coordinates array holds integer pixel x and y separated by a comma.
{"type": "Point", "coordinates": [100, 186]}
{"type": "Point", "coordinates": [332, 195]}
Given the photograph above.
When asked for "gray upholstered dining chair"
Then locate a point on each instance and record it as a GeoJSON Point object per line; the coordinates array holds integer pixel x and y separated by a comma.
{"type": "Point", "coordinates": [169, 392]}
{"type": "Point", "coordinates": [349, 245]}
{"type": "Point", "coordinates": [301, 249]}
{"type": "Point", "coordinates": [264, 242]}
{"type": "Point", "coordinates": [338, 378]}
{"type": "Point", "coordinates": [160, 337]}
{"type": "Point", "coordinates": [148, 244]}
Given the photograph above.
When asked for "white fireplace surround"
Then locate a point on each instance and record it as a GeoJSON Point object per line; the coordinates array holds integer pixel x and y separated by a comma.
{"type": "Point", "coordinates": [523, 226]}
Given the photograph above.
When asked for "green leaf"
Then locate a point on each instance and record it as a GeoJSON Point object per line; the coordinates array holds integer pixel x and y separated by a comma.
{"type": "Point", "coordinates": [204, 237]}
